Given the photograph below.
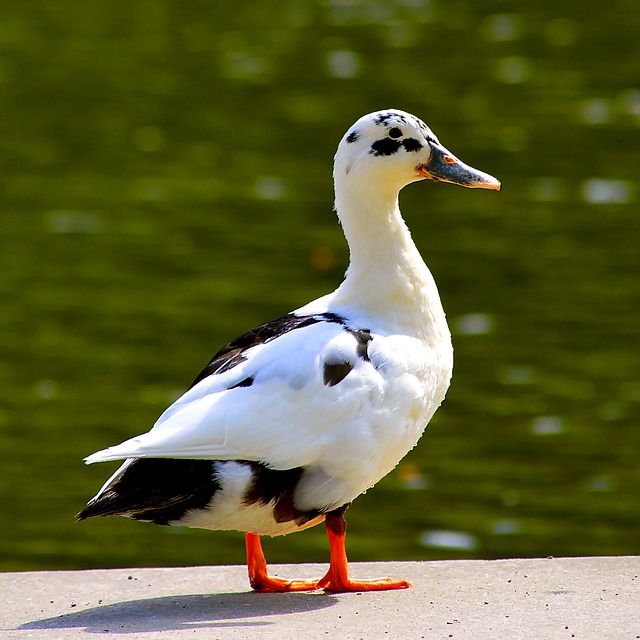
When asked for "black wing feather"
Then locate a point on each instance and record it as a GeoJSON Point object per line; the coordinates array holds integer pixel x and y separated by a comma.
{"type": "Point", "coordinates": [233, 353]}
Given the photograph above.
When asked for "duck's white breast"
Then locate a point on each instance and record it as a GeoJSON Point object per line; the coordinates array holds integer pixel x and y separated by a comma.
{"type": "Point", "coordinates": [411, 382]}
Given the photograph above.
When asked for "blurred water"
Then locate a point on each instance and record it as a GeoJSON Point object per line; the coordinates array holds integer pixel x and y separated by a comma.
{"type": "Point", "coordinates": [166, 178]}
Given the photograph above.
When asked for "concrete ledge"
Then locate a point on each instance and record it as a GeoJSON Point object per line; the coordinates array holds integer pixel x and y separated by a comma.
{"type": "Point", "coordinates": [564, 598]}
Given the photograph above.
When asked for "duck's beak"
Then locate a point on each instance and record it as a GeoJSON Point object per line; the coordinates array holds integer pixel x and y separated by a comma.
{"type": "Point", "coordinates": [445, 167]}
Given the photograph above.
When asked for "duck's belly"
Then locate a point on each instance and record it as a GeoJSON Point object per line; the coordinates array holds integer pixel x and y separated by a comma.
{"type": "Point", "coordinates": [256, 518]}
{"type": "Point", "coordinates": [252, 499]}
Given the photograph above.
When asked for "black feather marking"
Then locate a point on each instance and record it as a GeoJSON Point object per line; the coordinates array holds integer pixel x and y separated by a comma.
{"type": "Point", "coordinates": [158, 490]}
{"type": "Point", "coordinates": [363, 338]}
{"type": "Point", "coordinates": [385, 147]}
{"type": "Point", "coordinates": [271, 487]}
{"type": "Point", "coordinates": [353, 136]}
{"type": "Point", "coordinates": [383, 118]}
{"type": "Point", "coordinates": [225, 359]}
{"type": "Point", "coordinates": [411, 144]}
{"type": "Point", "coordinates": [233, 353]}
{"type": "Point", "coordinates": [335, 373]}
{"type": "Point", "coordinates": [428, 134]}
{"type": "Point", "coordinates": [247, 382]}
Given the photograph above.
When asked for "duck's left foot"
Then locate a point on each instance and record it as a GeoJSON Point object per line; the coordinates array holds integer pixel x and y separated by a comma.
{"type": "Point", "coordinates": [337, 579]}
{"type": "Point", "coordinates": [342, 584]}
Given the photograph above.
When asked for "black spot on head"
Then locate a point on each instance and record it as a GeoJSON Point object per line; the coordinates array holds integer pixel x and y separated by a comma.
{"type": "Point", "coordinates": [385, 147]}
{"type": "Point", "coordinates": [411, 144]}
{"type": "Point", "coordinates": [383, 118]}
{"type": "Point", "coordinates": [353, 136]}
{"type": "Point", "coordinates": [428, 134]}
{"type": "Point", "coordinates": [394, 132]}
{"type": "Point", "coordinates": [335, 373]}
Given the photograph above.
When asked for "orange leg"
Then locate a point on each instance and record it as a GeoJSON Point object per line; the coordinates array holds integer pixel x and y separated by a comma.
{"type": "Point", "coordinates": [258, 576]}
{"type": "Point", "coordinates": [337, 578]}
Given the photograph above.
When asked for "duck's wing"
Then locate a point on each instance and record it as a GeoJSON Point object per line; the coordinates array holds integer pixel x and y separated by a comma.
{"type": "Point", "coordinates": [278, 394]}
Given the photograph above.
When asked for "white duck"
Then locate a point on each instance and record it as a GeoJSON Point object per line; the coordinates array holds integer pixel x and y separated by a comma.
{"type": "Point", "coordinates": [293, 420]}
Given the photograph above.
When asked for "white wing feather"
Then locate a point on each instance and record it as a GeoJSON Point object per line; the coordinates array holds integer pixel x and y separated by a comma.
{"type": "Point", "coordinates": [288, 417]}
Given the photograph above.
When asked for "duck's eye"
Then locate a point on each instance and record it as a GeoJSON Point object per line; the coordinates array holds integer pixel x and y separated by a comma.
{"type": "Point", "coordinates": [395, 132]}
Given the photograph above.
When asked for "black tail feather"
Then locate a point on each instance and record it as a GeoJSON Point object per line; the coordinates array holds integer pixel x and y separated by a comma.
{"type": "Point", "coordinates": [158, 490]}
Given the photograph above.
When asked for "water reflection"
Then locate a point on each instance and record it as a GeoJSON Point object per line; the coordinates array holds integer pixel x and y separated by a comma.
{"type": "Point", "coordinates": [473, 324]}
{"type": "Point", "coordinates": [505, 527]}
{"type": "Point", "coordinates": [604, 191]}
{"type": "Point", "coordinates": [458, 540]}
{"type": "Point", "coordinates": [513, 70]}
{"type": "Point", "coordinates": [503, 27]}
{"type": "Point", "coordinates": [547, 425]}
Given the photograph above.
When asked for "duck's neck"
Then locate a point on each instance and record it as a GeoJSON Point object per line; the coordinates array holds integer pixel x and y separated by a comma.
{"type": "Point", "coordinates": [387, 277]}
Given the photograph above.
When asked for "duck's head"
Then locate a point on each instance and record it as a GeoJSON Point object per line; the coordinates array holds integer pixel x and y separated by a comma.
{"type": "Point", "coordinates": [392, 148]}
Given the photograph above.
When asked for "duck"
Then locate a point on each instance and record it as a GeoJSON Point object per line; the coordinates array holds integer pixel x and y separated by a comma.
{"type": "Point", "coordinates": [290, 422]}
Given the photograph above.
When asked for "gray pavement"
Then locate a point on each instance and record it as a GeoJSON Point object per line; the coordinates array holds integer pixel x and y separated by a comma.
{"type": "Point", "coordinates": [564, 598]}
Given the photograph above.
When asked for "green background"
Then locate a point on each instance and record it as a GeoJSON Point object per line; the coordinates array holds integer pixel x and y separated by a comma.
{"type": "Point", "coordinates": [166, 185]}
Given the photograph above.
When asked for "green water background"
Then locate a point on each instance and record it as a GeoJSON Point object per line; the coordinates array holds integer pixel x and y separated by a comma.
{"type": "Point", "coordinates": [166, 184]}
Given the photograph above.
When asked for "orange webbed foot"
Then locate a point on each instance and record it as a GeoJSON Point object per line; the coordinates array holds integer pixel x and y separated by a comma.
{"type": "Point", "coordinates": [343, 584]}
{"type": "Point", "coordinates": [337, 579]}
